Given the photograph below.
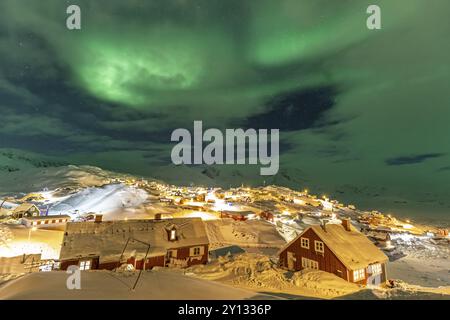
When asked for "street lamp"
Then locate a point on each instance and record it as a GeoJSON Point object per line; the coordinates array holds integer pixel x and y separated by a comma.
{"type": "Point", "coordinates": [29, 233]}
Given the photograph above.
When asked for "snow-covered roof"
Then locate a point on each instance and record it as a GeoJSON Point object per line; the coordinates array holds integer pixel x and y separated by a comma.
{"type": "Point", "coordinates": [352, 248]}
{"type": "Point", "coordinates": [108, 238]}
{"type": "Point", "coordinates": [54, 217]}
{"type": "Point", "coordinates": [24, 207]}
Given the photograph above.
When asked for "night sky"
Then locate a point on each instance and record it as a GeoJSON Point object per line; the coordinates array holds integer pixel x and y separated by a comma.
{"type": "Point", "coordinates": [363, 114]}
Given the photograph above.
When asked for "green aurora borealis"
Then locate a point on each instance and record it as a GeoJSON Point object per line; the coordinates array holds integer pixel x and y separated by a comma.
{"type": "Point", "coordinates": [110, 94]}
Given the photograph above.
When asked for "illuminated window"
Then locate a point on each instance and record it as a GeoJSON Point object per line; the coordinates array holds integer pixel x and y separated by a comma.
{"type": "Point", "coordinates": [375, 268]}
{"type": "Point", "coordinates": [358, 275]}
{"type": "Point", "coordinates": [309, 264]}
{"type": "Point", "coordinates": [85, 265]}
{"type": "Point", "coordinates": [173, 235]}
{"type": "Point", "coordinates": [318, 245]}
{"type": "Point", "coordinates": [304, 243]}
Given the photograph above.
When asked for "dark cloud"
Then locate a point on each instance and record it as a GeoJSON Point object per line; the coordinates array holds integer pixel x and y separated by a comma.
{"type": "Point", "coordinates": [419, 158]}
{"type": "Point", "coordinates": [296, 110]}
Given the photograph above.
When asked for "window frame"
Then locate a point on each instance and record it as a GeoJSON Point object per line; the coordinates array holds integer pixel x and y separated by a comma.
{"type": "Point", "coordinates": [196, 251]}
{"type": "Point", "coordinates": [85, 265]}
{"type": "Point", "coordinates": [306, 241]}
{"type": "Point", "coordinates": [359, 274]}
{"type": "Point", "coordinates": [377, 267]}
{"type": "Point", "coordinates": [310, 264]}
{"type": "Point", "coordinates": [173, 235]}
{"type": "Point", "coordinates": [319, 244]}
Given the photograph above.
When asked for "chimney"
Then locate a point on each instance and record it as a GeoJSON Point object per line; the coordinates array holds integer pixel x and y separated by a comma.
{"type": "Point", "coordinates": [324, 224]}
{"type": "Point", "coordinates": [346, 224]}
{"type": "Point", "coordinates": [157, 216]}
{"type": "Point", "coordinates": [98, 218]}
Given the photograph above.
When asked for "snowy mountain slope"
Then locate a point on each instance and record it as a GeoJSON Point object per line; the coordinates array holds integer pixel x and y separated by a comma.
{"type": "Point", "coordinates": [22, 172]}
{"type": "Point", "coordinates": [104, 199]}
{"type": "Point", "coordinates": [228, 175]}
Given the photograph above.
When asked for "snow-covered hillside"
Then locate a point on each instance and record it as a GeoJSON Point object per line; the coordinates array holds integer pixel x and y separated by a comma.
{"type": "Point", "coordinates": [101, 200]}
{"type": "Point", "coordinates": [229, 175]}
{"type": "Point", "coordinates": [22, 172]}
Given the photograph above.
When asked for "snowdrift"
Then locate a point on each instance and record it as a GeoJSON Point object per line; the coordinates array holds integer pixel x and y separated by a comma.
{"type": "Point", "coordinates": [107, 285]}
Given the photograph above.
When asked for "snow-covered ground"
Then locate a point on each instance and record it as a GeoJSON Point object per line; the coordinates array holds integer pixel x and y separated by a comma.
{"type": "Point", "coordinates": [259, 273]}
{"type": "Point", "coordinates": [250, 233]}
{"type": "Point", "coordinates": [16, 240]}
{"type": "Point", "coordinates": [103, 200]}
{"type": "Point", "coordinates": [153, 285]}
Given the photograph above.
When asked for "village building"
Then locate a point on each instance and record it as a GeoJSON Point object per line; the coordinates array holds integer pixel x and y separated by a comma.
{"type": "Point", "coordinates": [339, 249]}
{"type": "Point", "coordinates": [267, 215]}
{"type": "Point", "coordinates": [145, 244]}
{"type": "Point", "coordinates": [381, 238]}
{"type": "Point", "coordinates": [200, 197]}
{"type": "Point", "coordinates": [45, 221]}
{"type": "Point", "coordinates": [26, 210]}
{"type": "Point", "coordinates": [237, 215]}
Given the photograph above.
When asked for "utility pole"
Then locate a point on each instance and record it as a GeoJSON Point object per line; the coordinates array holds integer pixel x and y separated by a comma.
{"type": "Point", "coordinates": [145, 258]}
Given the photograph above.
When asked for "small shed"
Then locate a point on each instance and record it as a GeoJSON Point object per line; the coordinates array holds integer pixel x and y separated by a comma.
{"type": "Point", "coordinates": [26, 210]}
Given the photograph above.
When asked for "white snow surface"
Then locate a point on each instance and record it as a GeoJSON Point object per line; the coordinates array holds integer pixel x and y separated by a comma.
{"type": "Point", "coordinates": [95, 285]}
{"type": "Point", "coordinates": [106, 199]}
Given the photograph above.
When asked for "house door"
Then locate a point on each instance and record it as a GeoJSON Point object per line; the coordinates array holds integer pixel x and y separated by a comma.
{"type": "Point", "coordinates": [374, 280]}
{"type": "Point", "coordinates": [171, 256]}
{"type": "Point", "coordinates": [290, 260]}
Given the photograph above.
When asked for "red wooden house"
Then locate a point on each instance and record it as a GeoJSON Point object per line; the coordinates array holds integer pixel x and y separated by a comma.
{"type": "Point", "coordinates": [266, 215]}
{"type": "Point", "coordinates": [143, 243]}
{"type": "Point", "coordinates": [338, 249]}
{"type": "Point", "coordinates": [236, 215]}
